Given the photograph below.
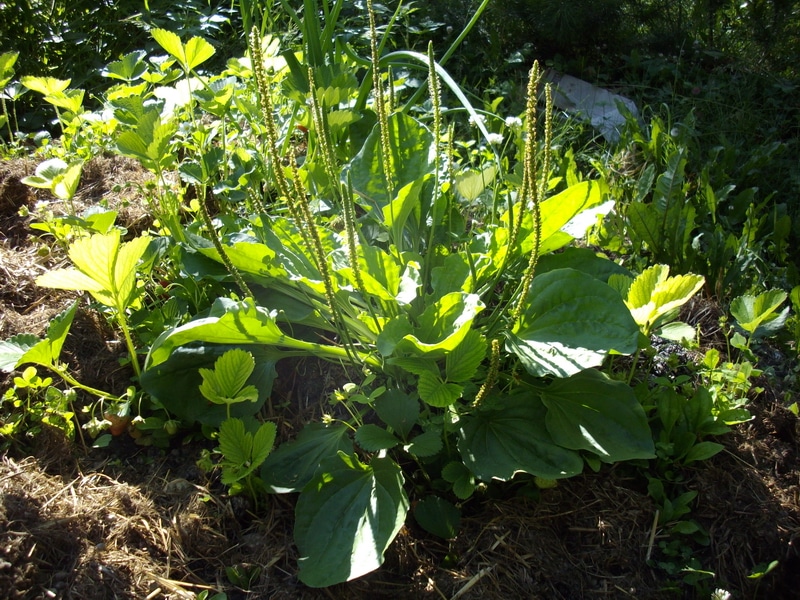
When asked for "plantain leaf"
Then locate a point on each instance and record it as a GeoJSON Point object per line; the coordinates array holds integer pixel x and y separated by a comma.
{"type": "Point", "coordinates": [588, 411]}
{"type": "Point", "coordinates": [462, 362]}
{"type": "Point", "coordinates": [292, 465]}
{"type": "Point", "coordinates": [346, 517]}
{"type": "Point", "coordinates": [508, 435]}
{"type": "Point", "coordinates": [570, 322]}
{"type": "Point", "coordinates": [373, 438]}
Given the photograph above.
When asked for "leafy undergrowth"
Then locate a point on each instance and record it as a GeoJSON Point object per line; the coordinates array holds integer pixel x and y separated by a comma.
{"type": "Point", "coordinates": [134, 522]}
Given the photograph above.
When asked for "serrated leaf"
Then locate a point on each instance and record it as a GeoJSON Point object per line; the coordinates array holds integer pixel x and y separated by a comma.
{"type": "Point", "coordinates": [292, 465]}
{"type": "Point", "coordinates": [751, 312]}
{"type": "Point", "coordinates": [232, 370]}
{"type": "Point", "coordinates": [425, 444]}
{"type": "Point", "coordinates": [462, 362]}
{"type": "Point", "coordinates": [14, 348]}
{"type": "Point", "coordinates": [346, 517]}
{"type": "Point", "coordinates": [373, 438]}
{"type": "Point", "coordinates": [588, 411]}
{"type": "Point", "coordinates": [435, 392]}
{"type": "Point", "coordinates": [170, 42]}
{"type": "Point", "coordinates": [47, 86]}
{"type": "Point", "coordinates": [263, 441]}
{"type": "Point", "coordinates": [47, 351]}
{"type": "Point", "coordinates": [198, 51]}
{"type": "Point", "coordinates": [509, 437]}
{"type": "Point", "coordinates": [654, 293]}
{"type": "Point", "coordinates": [68, 279]}
{"type": "Point", "coordinates": [128, 68]}
{"type": "Point", "coordinates": [235, 442]}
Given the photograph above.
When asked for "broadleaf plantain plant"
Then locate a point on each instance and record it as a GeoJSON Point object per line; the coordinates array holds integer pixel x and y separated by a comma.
{"type": "Point", "coordinates": [483, 363]}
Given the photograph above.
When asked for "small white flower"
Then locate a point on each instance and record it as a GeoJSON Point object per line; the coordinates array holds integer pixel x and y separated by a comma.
{"type": "Point", "coordinates": [674, 132]}
{"type": "Point", "coordinates": [474, 120]}
{"type": "Point", "coordinates": [494, 139]}
{"type": "Point", "coordinates": [513, 122]}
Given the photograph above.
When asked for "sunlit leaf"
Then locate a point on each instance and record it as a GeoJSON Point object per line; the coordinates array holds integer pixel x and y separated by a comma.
{"type": "Point", "coordinates": [570, 322]}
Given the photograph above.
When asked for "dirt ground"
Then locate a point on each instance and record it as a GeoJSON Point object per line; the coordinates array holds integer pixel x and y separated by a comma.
{"type": "Point", "coordinates": [146, 523]}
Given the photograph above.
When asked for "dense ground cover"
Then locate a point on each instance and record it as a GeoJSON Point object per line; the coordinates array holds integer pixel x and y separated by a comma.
{"type": "Point", "coordinates": [349, 322]}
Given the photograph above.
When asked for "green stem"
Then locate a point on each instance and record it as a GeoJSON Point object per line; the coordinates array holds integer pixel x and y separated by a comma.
{"type": "Point", "coordinates": [129, 342]}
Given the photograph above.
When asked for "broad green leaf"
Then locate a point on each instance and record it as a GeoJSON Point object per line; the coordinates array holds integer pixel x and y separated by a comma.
{"type": "Point", "coordinates": [226, 382]}
{"type": "Point", "coordinates": [380, 273]}
{"type": "Point", "coordinates": [235, 443]}
{"type": "Point", "coordinates": [556, 212]}
{"type": "Point", "coordinates": [373, 438]}
{"type": "Point", "coordinates": [397, 212]}
{"type": "Point", "coordinates": [249, 257]}
{"type": "Point", "coordinates": [462, 362]}
{"type": "Point", "coordinates": [443, 325]}
{"type": "Point", "coordinates": [471, 184]}
{"type": "Point", "coordinates": [438, 516]}
{"type": "Point", "coordinates": [702, 451]}
{"type": "Point", "coordinates": [129, 68]}
{"type": "Point", "coordinates": [425, 444]}
{"type": "Point", "coordinates": [654, 293]}
{"type": "Point", "coordinates": [47, 351]}
{"type": "Point", "coordinates": [588, 411]}
{"type": "Point", "coordinates": [293, 464]}
{"type": "Point", "coordinates": [581, 259]}
{"type": "Point", "coordinates": [509, 436]}
{"type": "Point", "coordinates": [435, 392]}
{"type": "Point", "coordinates": [412, 159]}
{"type": "Point", "coordinates": [570, 322]}
{"type": "Point", "coordinates": [47, 86]}
{"type": "Point", "coordinates": [346, 517]}
{"type": "Point", "coordinates": [398, 410]}
{"type": "Point", "coordinates": [238, 323]}
{"type": "Point", "coordinates": [669, 184]}
{"type": "Point", "coordinates": [453, 276]}
{"type": "Point", "coordinates": [12, 349]}
{"type": "Point", "coordinates": [175, 383]}
{"type": "Point", "coordinates": [751, 312]}
{"type": "Point", "coordinates": [191, 55]}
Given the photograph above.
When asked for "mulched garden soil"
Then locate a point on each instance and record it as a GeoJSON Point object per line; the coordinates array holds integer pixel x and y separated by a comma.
{"type": "Point", "coordinates": [146, 523]}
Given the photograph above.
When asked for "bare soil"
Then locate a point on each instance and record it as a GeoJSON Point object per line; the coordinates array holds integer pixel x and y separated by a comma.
{"type": "Point", "coordinates": [140, 522]}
